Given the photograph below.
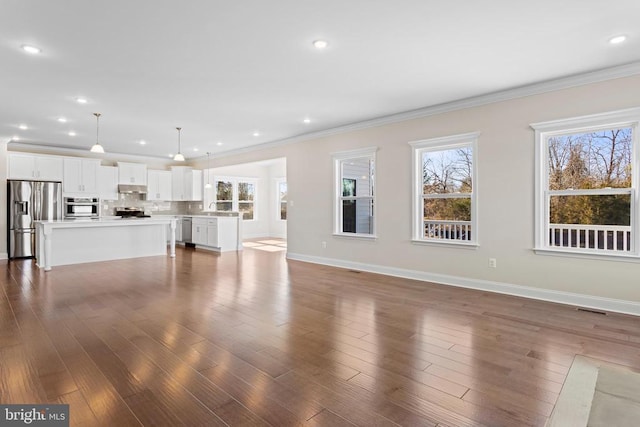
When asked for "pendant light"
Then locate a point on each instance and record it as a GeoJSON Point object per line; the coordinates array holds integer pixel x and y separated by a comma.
{"type": "Point", "coordinates": [208, 184]}
{"type": "Point", "coordinates": [97, 148]}
{"type": "Point", "coordinates": [178, 157]}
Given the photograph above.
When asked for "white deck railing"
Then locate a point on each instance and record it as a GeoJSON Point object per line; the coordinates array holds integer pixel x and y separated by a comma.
{"type": "Point", "coordinates": [447, 230]}
{"type": "Point", "coordinates": [606, 237]}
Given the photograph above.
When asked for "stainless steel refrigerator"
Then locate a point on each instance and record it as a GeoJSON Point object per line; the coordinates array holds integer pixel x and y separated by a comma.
{"type": "Point", "coordinates": [29, 201]}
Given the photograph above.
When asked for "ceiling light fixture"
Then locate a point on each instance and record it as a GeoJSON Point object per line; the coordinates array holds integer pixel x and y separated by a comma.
{"type": "Point", "coordinates": [97, 148]}
{"type": "Point", "coordinates": [179, 157]}
{"type": "Point", "coordinates": [320, 44]}
{"type": "Point", "coordinates": [62, 119]}
{"type": "Point", "coordinates": [307, 121]}
{"type": "Point", "coordinates": [31, 49]}
{"type": "Point", "coordinates": [218, 143]}
{"type": "Point", "coordinates": [208, 184]}
{"type": "Point", "coordinates": [23, 127]}
{"type": "Point", "coordinates": [81, 100]}
{"type": "Point", "coordinates": [256, 133]}
{"type": "Point", "coordinates": [143, 142]}
{"type": "Point", "coordinates": [71, 133]}
{"type": "Point", "coordinates": [617, 39]}
{"type": "Point", "coordinates": [196, 149]}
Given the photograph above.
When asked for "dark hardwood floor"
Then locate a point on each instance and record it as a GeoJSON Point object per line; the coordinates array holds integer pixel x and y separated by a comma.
{"type": "Point", "coordinates": [250, 339]}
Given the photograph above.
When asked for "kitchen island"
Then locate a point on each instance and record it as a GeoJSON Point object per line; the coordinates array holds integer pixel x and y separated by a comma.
{"type": "Point", "coordinates": [65, 242]}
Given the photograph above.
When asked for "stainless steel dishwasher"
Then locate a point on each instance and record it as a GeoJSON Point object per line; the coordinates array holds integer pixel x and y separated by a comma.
{"type": "Point", "coordinates": [186, 229]}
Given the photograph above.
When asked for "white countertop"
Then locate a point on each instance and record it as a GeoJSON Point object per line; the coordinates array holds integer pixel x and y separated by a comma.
{"type": "Point", "coordinates": [113, 221]}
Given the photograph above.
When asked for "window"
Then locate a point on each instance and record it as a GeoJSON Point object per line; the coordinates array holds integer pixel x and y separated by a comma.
{"type": "Point", "coordinates": [281, 203]}
{"type": "Point", "coordinates": [224, 196]}
{"type": "Point", "coordinates": [444, 190]}
{"type": "Point", "coordinates": [587, 177]}
{"type": "Point", "coordinates": [246, 193]}
{"type": "Point", "coordinates": [354, 193]}
{"type": "Point", "coordinates": [233, 195]}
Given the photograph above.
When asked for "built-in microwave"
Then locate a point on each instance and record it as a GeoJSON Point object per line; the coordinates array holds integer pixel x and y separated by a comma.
{"type": "Point", "coordinates": [81, 207]}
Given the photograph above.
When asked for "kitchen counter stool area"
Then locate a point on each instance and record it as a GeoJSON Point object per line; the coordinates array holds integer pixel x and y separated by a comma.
{"type": "Point", "coordinates": [75, 242]}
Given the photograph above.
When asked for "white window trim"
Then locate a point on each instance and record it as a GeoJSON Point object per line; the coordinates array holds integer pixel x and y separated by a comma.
{"type": "Point", "coordinates": [337, 158]}
{"type": "Point", "coordinates": [609, 120]}
{"type": "Point", "coordinates": [439, 144]}
{"type": "Point", "coordinates": [279, 181]}
{"type": "Point", "coordinates": [235, 202]}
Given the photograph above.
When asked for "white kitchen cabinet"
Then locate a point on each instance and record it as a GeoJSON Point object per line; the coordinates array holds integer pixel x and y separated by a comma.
{"type": "Point", "coordinates": [159, 185]}
{"type": "Point", "coordinates": [108, 182]}
{"type": "Point", "coordinates": [186, 183]}
{"type": "Point", "coordinates": [199, 231]}
{"type": "Point", "coordinates": [29, 166]}
{"type": "Point", "coordinates": [80, 177]}
{"type": "Point", "coordinates": [132, 173]}
{"type": "Point", "coordinates": [212, 232]}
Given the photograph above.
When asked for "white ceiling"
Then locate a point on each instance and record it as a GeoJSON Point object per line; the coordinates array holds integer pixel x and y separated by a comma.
{"type": "Point", "coordinates": [224, 69]}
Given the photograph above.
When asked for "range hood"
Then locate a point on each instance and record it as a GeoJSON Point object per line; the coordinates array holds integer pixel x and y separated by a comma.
{"type": "Point", "coordinates": [132, 189]}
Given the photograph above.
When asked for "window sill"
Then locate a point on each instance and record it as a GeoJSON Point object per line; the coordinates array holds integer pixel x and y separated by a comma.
{"type": "Point", "coordinates": [463, 245]}
{"type": "Point", "coordinates": [357, 236]}
{"type": "Point", "coordinates": [632, 257]}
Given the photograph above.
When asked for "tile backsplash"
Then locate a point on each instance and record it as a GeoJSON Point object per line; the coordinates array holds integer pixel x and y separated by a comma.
{"type": "Point", "coordinates": [152, 207]}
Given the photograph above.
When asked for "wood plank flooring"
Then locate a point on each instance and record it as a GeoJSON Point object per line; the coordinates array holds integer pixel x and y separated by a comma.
{"type": "Point", "coordinates": [250, 339]}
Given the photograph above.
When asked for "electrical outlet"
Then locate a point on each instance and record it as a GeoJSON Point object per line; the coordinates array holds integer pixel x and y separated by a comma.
{"type": "Point", "coordinates": [493, 263]}
{"type": "Point", "coordinates": [324, 245]}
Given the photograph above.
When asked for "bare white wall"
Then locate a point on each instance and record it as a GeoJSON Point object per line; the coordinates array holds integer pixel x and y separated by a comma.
{"type": "Point", "coordinates": [505, 188]}
{"type": "Point", "coordinates": [4, 251]}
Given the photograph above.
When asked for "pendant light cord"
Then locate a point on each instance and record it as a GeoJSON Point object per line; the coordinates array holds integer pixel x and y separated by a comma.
{"type": "Point", "coordinates": [97, 127]}
{"type": "Point", "coordinates": [179, 149]}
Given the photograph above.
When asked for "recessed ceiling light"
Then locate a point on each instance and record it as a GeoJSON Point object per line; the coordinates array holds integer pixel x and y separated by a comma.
{"type": "Point", "coordinates": [218, 143]}
{"type": "Point", "coordinates": [31, 49]}
{"type": "Point", "coordinates": [62, 119]}
{"type": "Point", "coordinates": [81, 100]}
{"type": "Point", "coordinates": [72, 133]}
{"type": "Point", "coordinates": [617, 39]}
{"type": "Point", "coordinates": [256, 133]}
{"type": "Point", "coordinates": [15, 138]}
{"type": "Point", "coordinates": [307, 121]}
{"type": "Point", "coordinates": [143, 142]}
{"type": "Point", "coordinates": [171, 155]}
{"type": "Point", "coordinates": [23, 127]}
{"type": "Point", "coordinates": [320, 44]}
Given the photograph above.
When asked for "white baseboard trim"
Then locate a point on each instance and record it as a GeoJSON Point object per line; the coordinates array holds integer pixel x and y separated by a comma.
{"type": "Point", "coordinates": [4, 255]}
{"type": "Point", "coordinates": [569, 298]}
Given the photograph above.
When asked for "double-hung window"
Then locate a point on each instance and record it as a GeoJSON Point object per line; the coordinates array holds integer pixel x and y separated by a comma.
{"type": "Point", "coordinates": [444, 190]}
{"type": "Point", "coordinates": [231, 194]}
{"type": "Point", "coordinates": [587, 184]}
{"type": "Point", "coordinates": [354, 193]}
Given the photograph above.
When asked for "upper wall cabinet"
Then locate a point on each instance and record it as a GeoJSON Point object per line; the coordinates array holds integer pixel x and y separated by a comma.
{"type": "Point", "coordinates": [132, 173]}
{"type": "Point", "coordinates": [186, 183]}
{"type": "Point", "coordinates": [29, 166]}
{"type": "Point", "coordinates": [80, 177]}
{"type": "Point", "coordinates": [108, 182]}
{"type": "Point", "coordinates": [159, 185]}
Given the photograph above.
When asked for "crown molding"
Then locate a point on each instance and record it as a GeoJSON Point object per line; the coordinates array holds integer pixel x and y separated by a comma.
{"type": "Point", "coordinates": [24, 147]}
{"type": "Point", "coordinates": [567, 82]}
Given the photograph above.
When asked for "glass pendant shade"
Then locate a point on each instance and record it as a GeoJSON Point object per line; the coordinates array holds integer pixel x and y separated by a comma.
{"type": "Point", "coordinates": [97, 148]}
{"type": "Point", "coordinates": [178, 157]}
